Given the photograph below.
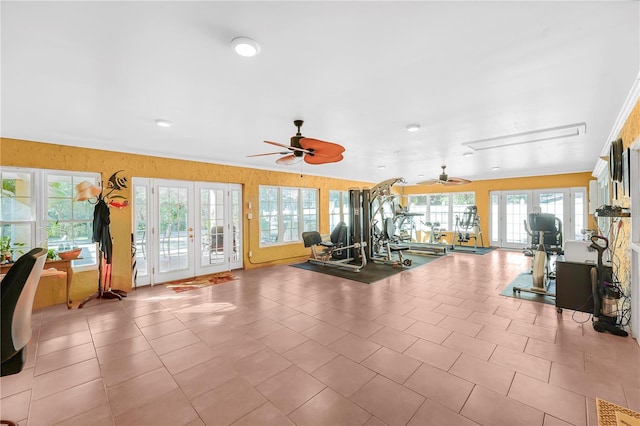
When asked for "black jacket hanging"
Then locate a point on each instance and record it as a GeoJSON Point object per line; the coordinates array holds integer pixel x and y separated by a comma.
{"type": "Point", "coordinates": [101, 232]}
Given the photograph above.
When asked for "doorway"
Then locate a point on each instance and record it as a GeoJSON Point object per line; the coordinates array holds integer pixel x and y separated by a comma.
{"type": "Point", "coordinates": [509, 210]}
{"type": "Point", "coordinates": [184, 229]}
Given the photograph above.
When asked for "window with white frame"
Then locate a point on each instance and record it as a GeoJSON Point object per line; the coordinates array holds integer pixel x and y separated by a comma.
{"type": "Point", "coordinates": [37, 208]}
{"type": "Point", "coordinates": [441, 208]}
{"type": "Point", "coordinates": [285, 213]}
{"type": "Point", "coordinates": [338, 208]}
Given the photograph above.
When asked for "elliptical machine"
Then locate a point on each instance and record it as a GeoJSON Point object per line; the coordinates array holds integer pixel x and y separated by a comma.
{"type": "Point", "coordinates": [605, 294]}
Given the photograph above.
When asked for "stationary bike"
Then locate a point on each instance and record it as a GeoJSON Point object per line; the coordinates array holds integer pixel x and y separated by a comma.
{"type": "Point", "coordinates": [539, 271]}
{"type": "Point", "coordinates": [605, 295]}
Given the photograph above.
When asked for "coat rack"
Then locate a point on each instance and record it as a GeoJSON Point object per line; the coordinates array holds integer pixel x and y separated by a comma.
{"type": "Point", "coordinates": [101, 230]}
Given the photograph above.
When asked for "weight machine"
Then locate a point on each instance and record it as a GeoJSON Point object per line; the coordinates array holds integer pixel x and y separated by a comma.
{"type": "Point", "coordinates": [371, 234]}
{"type": "Point", "coordinates": [384, 241]}
{"type": "Point", "coordinates": [337, 251]}
{"type": "Point", "coordinates": [468, 227]}
{"type": "Point", "coordinates": [435, 232]}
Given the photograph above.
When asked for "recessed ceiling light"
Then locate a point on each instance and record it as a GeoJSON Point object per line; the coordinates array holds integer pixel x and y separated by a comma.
{"type": "Point", "coordinates": [494, 168]}
{"type": "Point", "coordinates": [467, 154]}
{"type": "Point", "coordinates": [413, 127]}
{"type": "Point", "coordinates": [244, 46]}
{"type": "Point", "coordinates": [381, 167]}
{"type": "Point", "coordinates": [164, 123]}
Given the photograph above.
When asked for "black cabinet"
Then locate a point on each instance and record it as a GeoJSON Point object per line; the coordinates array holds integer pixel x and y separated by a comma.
{"type": "Point", "coordinates": [573, 286]}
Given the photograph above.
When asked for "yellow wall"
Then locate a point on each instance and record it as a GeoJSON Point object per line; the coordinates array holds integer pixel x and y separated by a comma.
{"type": "Point", "coordinates": [629, 133]}
{"type": "Point", "coordinates": [483, 187]}
{"type": "Point", "coordinates": [19, 153]}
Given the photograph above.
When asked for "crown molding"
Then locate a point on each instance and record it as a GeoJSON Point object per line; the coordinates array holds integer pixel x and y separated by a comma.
{"type": "Point", "coordinates": [629, 103]}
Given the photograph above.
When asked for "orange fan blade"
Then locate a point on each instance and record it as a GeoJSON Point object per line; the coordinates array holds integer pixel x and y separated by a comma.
{"type": "Point", "coordinates": [314, 159]}
{"type": "Point", "coordinates": [322, 148]}
{"type": "Point", "coordinates": [288, 159]}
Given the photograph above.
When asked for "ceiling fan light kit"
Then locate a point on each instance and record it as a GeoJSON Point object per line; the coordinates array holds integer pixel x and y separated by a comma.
{"type": "Point", "coordinates": [312, 151]}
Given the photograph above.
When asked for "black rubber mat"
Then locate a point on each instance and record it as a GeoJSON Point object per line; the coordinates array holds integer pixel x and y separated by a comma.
{"type": "Point", "coordinates": [371, 273]}
{"type": "Point", "coordinates": [525, 280]}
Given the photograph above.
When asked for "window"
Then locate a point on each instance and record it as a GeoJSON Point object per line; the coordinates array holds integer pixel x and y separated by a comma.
{"type": "Point", "coordinates": [286, 212]}
{"type": "Point", "coordinates": [338, 208]}
{"type": "Point", "coordinates": [442, 208]}
{"type": "Point", "coordinates": [38, 207]}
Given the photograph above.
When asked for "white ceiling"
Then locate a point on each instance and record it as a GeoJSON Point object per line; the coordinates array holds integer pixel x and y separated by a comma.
{"type": "Point", "coordinates": [98, 74]}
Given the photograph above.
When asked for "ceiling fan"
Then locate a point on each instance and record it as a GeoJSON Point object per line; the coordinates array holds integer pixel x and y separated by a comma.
{"type": "Point", "coordinates": [313, 151]}
{"type": "Point", "coordinates": [444, 179]}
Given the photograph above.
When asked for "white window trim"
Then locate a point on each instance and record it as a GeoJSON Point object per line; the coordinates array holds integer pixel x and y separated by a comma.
{"type": "Point", "coordinates": [450, 214]}
{"type": "Point", "coordinates": [300, 214]}
{"type": "Point", "coordinates": [39, 188]}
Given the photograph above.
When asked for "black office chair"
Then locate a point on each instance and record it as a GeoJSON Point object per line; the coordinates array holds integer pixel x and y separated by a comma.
{"type": "Point", "coordinates": [17, 290]}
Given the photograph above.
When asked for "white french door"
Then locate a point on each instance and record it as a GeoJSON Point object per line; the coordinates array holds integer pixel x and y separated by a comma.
{"type": "Point", "coordinates": [173, 218]}
{"type": "Point", "coordinates": [184, 229]}
{"type": "Point", "coordinates": [509, 210]}
{"type": "Point", "coordinates": [219, 225]}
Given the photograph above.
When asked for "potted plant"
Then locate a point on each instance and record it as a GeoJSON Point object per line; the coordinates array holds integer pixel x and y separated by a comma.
{"type": "Point", "coordinates": [7, 249]}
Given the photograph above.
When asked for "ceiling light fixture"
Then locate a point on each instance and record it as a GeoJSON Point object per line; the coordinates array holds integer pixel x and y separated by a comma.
{"type": "Point", "coordinates": [381, 167]}
{"type": "Point", "coordinates": [413, 127]}
{"type": "Point", "coordinates": [164, 123]}
{"type": "Point", "coordinates": [467, 154]}
{"type": "Point", "coordinates": [244, 46]}
{"type": "Point", "coordinates": [495, 168]}
{"type": "Point", "coordinates": [551, 133]}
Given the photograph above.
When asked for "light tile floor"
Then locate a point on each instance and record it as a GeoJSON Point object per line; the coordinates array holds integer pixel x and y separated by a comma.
{"type": "Point", "coordinates": [436, 345]}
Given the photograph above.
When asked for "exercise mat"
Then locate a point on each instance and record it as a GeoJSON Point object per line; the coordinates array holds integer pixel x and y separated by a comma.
{"type": "Point", "coordinates": [525, 280]}
{"type": "Point", "coordinates": [372, 272]}
{"type": "Point", "coordinates": [471, 250]}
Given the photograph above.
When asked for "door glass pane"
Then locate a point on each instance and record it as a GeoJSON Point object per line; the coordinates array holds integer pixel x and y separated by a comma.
{"type": "Point", "coordinates": [236, 216]}
{"type": "Point", "coordinates": [579, 208]}
{"type": "Point", "coordinates": [515, 215]}
{"type": "Point", "coordinates": [553, 203]}
{"type": "Point", "coordinates": [173, 234]}
{"type": "Point", "coordinates": [212, 225]}
{"type": "Point", "coordinates": [140, 227]}
{"type": "Point", "coordinates": [495, 218]}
